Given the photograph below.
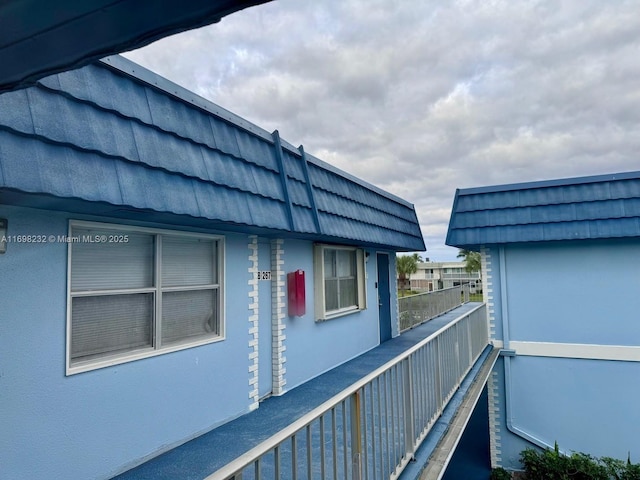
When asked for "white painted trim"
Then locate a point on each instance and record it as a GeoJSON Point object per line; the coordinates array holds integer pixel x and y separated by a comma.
{"type": "Point", "coordinates": [119, 359]}
{"type": "Point", "coordinates": [495, 439]}
{"type": "Point", "coordinates": [486, 262]}
{"type": "Point", "coordinates": [278, 325]}
{"type": "Point", "coordinates": [624, 353]}
{"type": "Point", "coordinates": [254, 302]}
{"type": "Point", "coordinates": [321, 314]}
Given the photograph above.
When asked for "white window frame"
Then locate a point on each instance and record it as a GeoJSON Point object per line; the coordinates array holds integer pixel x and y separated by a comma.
{"type": "Point", "coordinates": [120, 358]}
{"type": "Point", "coordinates": [321, 314]}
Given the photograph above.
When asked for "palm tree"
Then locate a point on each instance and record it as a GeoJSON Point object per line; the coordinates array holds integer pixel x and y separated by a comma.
{"type": "Point", "coordinates": [405, 266]}
{"type": "Point", "coordinates": [471, 260]}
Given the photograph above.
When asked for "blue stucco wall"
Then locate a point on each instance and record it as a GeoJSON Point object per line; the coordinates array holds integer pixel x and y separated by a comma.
{"type": "Point", "coordinates": [578, 293]}
{"type": "Point", "coordinates": [575, 292]}
{"type": "Point", "coordinates": [315, 347]}
{"type": "Point", "coordinates": [94, 424]}
{"type": "Point", "coordinates": [585, 405]}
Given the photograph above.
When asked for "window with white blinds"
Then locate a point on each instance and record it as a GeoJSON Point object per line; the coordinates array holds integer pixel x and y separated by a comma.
{"type": "Point", "coordinates": [136, 292]}
{"type": "Point", "coordinates": [340, 281]}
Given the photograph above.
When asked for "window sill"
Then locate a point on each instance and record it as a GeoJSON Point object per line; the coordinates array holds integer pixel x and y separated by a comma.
{"type": "Point", "coordinates": [339, 313]}
{"type": "Point", "coordinates": [119, 359]}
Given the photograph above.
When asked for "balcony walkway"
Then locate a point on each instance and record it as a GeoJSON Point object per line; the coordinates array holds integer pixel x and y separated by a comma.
{"type": "Point", "coordinates": [200, 457]}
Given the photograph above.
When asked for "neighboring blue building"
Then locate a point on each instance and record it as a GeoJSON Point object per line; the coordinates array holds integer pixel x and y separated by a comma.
{"type": "Point", "coordinates": [561, 265]}
{"type": "Point", "coordinates": [148, 234]}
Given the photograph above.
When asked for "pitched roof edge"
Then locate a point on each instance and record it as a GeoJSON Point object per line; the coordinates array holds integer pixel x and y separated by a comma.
{"type": "Point", "coordinates": [141, 74]}
{"type": "Point", "coordinates": [454, 210]}
{"type": "Point", "coordinates": [562, 182]}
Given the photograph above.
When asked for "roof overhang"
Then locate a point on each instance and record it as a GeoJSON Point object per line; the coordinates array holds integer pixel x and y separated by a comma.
{"type": "Point", "coordinates": [41, 37]}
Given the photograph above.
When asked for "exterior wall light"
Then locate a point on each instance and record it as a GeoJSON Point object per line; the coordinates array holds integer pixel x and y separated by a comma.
{"type": "Point", "coordinates": [3, 235]}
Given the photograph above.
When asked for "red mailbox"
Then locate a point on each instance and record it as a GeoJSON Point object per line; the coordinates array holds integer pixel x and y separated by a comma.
{"type": "Point", "coordinates": [296, 296]}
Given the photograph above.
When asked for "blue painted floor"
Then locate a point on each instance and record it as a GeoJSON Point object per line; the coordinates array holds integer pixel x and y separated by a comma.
{"type": "Point", "coordinates": [204, 455]}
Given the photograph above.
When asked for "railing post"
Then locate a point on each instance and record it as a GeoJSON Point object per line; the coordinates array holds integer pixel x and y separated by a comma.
{"type": "Point", "coordinates": [471, 328]}
{"type": "Point", "coordinates": [356, 437]}
{"type": "Point", "coordinates": [409, 420]}
{"type": "Point", "coordinates": [456, 350]}
{"type": "Point", "coordinates": [438, 374]}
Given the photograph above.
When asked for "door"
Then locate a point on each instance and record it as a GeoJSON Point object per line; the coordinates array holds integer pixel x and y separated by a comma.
{"type": "Point", "coordinates": [384, 297]}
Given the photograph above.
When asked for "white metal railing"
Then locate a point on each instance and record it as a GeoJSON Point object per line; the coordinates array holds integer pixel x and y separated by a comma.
{"type": "Point", "coordinates": [371, 429]}
{"type": "Point", "coordinates": [417, 309]}
{"type": "Point", "coordinates": [464, 276]}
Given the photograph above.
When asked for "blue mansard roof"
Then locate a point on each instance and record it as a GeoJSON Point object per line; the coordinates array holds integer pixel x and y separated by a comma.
{"type": "Point", "coordinates": [115, 139]}
{"type": "Point", "coordinates": [598, 207]}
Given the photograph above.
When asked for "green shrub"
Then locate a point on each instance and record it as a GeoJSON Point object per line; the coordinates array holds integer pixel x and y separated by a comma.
{"type": "Point", "coordinates": [552, 465]}
{"type": "Point", "coordinates": [500, 474]}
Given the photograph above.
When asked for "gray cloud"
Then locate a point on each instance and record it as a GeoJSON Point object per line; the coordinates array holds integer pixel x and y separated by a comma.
{"type": "Point", "coordinates": [421, 98]}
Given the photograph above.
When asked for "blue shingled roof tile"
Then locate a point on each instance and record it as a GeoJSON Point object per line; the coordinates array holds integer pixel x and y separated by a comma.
{"type": "Point", "coordinates": [224, 136]}
{"type": "Point", "coordinates": [569, 209]}
{"type": "Point", "coordinates": [527, 198]}
{"type": "Point", "coordinates": [98, 85]}
{"type": "Point", "coordinates": [168, 152]}
{"type": "Point", "coordinates": [11, 106]}
{"type": "Point", "coordinates": [303, 219]}
{"type": "Point", "coordinates": [93, 178]}
{"type": "Point", "coordinates": [544, 214]}
{"type": "Point", "coordinates": [169, 115]}
{"type": "Point", "coordinates": [267, 213]}
{"type": "Point", "coordinates": [267, 183]}
{"type": "Point", "coordinates": [219, 171]}
{"type": "Point", "coordinates": [46, 111]}
{"type": "Point", "coordinates": [19, 166]}
{"type": "Point", "coordinates": [255, 150]}
{"type": "Point", "coordinates": [595, 210]}
{"type": "Point", "coordinates": [225, 170]}
{"type": "Point", "coordinates": [624, 189]}
{"type": "Point", "coordinates": [27, 166]}
{"type": "Point", "coordinates": [329, 183]}
{"type": "Point", "coordinates": [293, 166]}
{"type": "Point", "coordinates": [623, 227]}
{"type": "Point", "coordinates": [298, 193]}
{"type": "Point", "coordinates": [141, 187]}
{"type": "Point", "coordinates": [178, 118]}
{"type": "Point", "coordinates": [631, 207]}
{"type": "Point", "coordinates": [221, 204]}
{"type": "Point", "coordinates": [115, 133]}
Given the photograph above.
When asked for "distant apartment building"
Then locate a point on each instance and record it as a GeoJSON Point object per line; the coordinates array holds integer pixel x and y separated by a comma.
{"type": "Point", "coordinates": [438, 275]}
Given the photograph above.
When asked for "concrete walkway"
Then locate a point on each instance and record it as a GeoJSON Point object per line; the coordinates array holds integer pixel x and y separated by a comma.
{"type": "Point", "coordinates": [204, 455]}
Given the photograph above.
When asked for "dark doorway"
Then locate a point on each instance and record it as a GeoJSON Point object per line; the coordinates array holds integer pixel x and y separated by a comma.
{"type": "Point", "coordinates": [384, 297]}
{"type": "Point", "coordinates": [471, 459]}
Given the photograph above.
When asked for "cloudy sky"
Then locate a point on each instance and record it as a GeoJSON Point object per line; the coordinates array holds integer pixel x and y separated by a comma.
{"type": "Point", "coordinates": [423, 97]}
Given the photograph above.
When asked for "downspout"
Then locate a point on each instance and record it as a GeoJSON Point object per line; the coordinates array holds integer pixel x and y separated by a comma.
{"type": "Point", "coordinates": [507, 354]}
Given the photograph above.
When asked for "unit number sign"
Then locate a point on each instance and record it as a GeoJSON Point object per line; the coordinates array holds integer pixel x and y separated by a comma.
{"type": "Point", "coordinates": [264, 275]}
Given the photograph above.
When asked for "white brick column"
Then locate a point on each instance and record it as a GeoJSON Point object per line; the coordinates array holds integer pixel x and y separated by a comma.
{"type": "Point", "coordinates": [278, 313]}
{"type": "Point", "coordinates": [253, 322]}
{"type": "Point", "coordinates": [495, 443]}
{"type": "Point", "coordinates": [488, 289]}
